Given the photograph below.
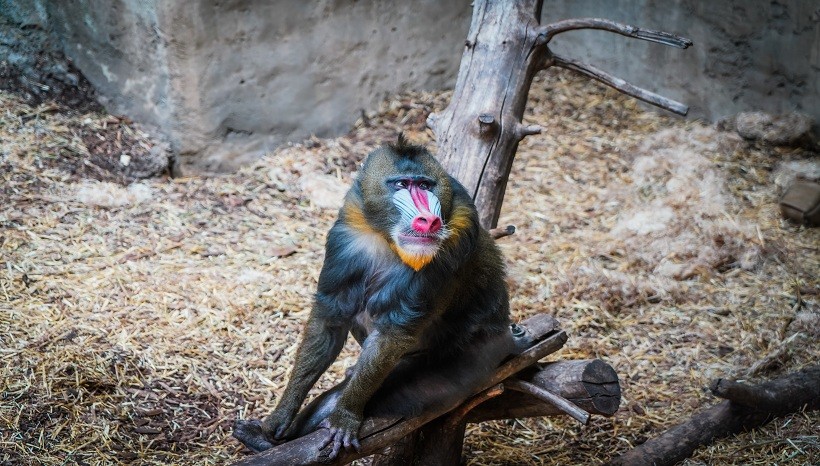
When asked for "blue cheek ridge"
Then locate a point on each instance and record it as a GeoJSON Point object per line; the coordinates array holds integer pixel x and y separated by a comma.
{"type": "Point", "coordinates": [405, 204]}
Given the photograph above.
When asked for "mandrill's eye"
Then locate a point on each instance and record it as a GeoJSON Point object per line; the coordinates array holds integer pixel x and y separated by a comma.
{"type": "Point", "coordinates": [400, 184]}
{"type": "Point", "coordinates": [424, 185]}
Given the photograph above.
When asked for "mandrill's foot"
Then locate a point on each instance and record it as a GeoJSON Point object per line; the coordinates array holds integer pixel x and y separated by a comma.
{"type": "Point", "coordinates": [276, 424]}
{"type": "Point", "coordinates": [344, 431]}
{"type": "Point", "coordinates": [252, 435]}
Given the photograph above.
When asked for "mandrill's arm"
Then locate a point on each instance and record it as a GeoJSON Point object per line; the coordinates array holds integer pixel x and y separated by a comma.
{"type": "Point", "coordinates": [381, 351]}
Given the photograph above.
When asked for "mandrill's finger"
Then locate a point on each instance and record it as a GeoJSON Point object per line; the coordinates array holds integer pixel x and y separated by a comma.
{"type": "Point", "coordinates": [346, 440]}
{"type": "Point", "coordinates": [356, 444]}
{"type": "Point", "coordinates": [329, 438]}
{"type": "Point", "coordinates": [337, 445]}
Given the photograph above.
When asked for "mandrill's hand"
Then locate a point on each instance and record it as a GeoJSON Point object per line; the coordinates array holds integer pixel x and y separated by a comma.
{"type": "Point", "coordinates": [344, 430]}
{"type": "Point", "coordinates": [277, 423]}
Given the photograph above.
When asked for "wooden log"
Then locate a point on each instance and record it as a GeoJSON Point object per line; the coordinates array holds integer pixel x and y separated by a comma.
{"type": "Point", "coordinates": [437, 439]}
{"type": "Point", "coordinates": [442, 441]}
{"type": "Point", "coordinates": [747, 407]}
{"type": "Point", "coordinates": [589, 384]}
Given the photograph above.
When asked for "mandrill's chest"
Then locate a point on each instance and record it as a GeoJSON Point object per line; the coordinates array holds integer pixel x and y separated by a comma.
{"type": "Point", "coordinates": [394, 293]}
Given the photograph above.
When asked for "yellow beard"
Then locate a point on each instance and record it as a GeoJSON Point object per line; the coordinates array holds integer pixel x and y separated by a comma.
{"type": "Point", "coordinates": [414, 261]}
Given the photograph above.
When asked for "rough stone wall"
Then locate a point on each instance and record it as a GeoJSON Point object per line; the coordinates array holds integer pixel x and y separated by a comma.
{"type": "Point", "coordinates": [748, 54]}
{"type": "Point", "coordinates": [119, 46]}
{"type": "Point", "coordinates": [26, 13]}
{"type": "Point", "coordinates": [228, 80]}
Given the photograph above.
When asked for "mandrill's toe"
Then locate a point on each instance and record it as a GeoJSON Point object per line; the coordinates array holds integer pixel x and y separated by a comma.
{"type": "Point", "coordinates": [251, 434]}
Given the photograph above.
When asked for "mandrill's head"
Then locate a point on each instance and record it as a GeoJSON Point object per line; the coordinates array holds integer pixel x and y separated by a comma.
{"type": "Point", "coordinates": [407, 197]}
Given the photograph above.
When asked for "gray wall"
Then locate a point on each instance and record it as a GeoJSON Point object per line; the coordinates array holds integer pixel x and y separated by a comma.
{"type": "Point", "coordinates": [748, 54]}
{"type": "Point", "coordinates": [228, 80]}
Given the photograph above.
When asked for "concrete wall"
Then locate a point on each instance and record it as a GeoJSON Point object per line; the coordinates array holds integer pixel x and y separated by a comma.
{"type": "Point", "coordinates": [227, 80]}
{"type": "Point", "coordinates": [748, 54]}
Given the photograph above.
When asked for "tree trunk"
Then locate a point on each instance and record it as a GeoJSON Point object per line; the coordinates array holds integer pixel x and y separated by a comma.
{"type": "Point", "coordinates": [478, 133]}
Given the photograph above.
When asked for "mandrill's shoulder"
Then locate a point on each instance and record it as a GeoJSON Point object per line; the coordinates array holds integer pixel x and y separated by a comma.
{"type": "Point", "coordinates": [352, 237]}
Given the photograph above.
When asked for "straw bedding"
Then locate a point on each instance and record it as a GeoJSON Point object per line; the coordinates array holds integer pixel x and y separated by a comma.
{"type": "Point", "coordinates": [140, 317]}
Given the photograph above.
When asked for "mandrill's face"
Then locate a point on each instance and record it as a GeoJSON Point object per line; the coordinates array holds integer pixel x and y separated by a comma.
{"type": "Point", "coordinates": [407, 198]}
{"type": "Point", "coordinates": [419, 231]}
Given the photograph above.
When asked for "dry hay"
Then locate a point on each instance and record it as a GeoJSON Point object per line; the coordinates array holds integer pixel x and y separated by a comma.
{"type": "Point", "coordinates": [136, 323]}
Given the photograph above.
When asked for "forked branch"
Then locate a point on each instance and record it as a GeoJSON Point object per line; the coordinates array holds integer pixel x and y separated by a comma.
{"type": "Point", "coordinates": [478, 133]}
{"type": "Point", "coordinates": [551, 30]}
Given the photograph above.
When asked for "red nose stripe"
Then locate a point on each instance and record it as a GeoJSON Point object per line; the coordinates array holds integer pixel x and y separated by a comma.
{"type": "Point", "coordinates": [419, 197]}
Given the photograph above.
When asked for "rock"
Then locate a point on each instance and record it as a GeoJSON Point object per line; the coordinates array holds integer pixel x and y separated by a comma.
{"type": "Point", "coordinates": [324, 191]}
{"type": "Point", "coordinates": [788, 172]}
{"type": "Point", "coordinates": [788, 129]}
{"type": "Point", "coordinates": [801, 203]}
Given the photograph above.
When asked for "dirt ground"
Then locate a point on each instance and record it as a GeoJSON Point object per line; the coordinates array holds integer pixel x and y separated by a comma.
{"type": "Point", "coordinates": [140, 318]}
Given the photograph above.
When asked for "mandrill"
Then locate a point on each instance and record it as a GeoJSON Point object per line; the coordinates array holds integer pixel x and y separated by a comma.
{"type": "Point", "coordinates": [411, 274]}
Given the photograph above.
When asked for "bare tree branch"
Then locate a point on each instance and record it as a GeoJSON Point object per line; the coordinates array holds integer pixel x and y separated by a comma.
{"type": "Point", "coordinates": [660, 37]}
{"type": "Point", "coordinates": [545, 395]}
{"type": "Point", "coordinates": [619, 84]}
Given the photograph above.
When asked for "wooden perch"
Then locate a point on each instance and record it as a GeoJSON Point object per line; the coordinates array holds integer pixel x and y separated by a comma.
{"type": "Point", "coordinates": [566, 379]}
{"type": "Point", "coordinates": [478, 133]}
{"type": "Point", "coordinates": [747, 407]}
{"type": "Point", "coordinates": [590, 385]}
